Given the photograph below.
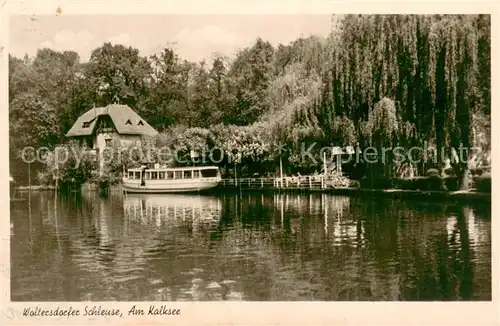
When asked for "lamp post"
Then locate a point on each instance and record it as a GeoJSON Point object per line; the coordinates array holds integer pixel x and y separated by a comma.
{"type": "Point", "coordinates": [29, 190]}
{"type": "Point", "coordinates": [324, 170]}
{"type": "Point", "coordinates": [281, 172]}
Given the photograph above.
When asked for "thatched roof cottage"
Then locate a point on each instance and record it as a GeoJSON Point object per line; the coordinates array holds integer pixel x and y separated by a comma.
{"type": "Point", "coordinates": [101, 126]}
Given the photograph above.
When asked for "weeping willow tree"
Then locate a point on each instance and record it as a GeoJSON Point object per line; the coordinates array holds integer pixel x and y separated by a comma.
{"type": "Point", "coordinates": [293, 120]}
{"type": "Point", "coordinates": [435, 68]}
{"type": "Point", "coordinates": [386, 80]}
{"type": "Point", "coordinates": [464, 94]}
{"type": "Point", "coordinates": [381, 131]}
{"type": "Point", "coordinates": [343, 132]}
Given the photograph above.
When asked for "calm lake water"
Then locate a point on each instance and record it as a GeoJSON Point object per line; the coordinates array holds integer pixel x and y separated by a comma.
{"type": "Point", "coordinates": [247, 247]}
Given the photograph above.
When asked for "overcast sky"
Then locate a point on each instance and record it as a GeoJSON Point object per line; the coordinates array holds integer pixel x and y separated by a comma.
{"type": "Point", "coordinates": [194, 37]}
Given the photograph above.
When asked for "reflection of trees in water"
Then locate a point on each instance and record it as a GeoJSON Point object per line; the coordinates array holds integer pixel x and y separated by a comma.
{"type": "Point", "coordinates": [431, 255]}
{"type": "Point", "coordinates": [275, 246]}
{"type": "Point", "coordinates": [56, 238]}
{"type": "Point", "coordinates": [98, 243]}
{"type": "Point", "coordinates": [373, 248]}
{"type": "Point", "coordinates": [253, 247]}
{"type": "Point", "coordinates": [469, 238]}
{"type": "Point", "coordinates": [34, 243]}
{"type": "Point", "coordinates": [338, 224]}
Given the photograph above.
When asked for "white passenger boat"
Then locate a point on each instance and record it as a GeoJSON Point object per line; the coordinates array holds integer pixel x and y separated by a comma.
{"type": "Point", "coordinates": [166, 180]}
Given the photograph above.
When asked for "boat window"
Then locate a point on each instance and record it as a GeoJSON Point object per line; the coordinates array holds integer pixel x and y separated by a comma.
{"type": "Point", "coordinates": [209, 173]}
{"type": "Point", "coordinates": [187, 174]}
{"type": "Point", "coordinates": [161, 175]}
{"type": "Point", "coordinates": [196, 174]}
{"type": "Point", "coordinates": [170, 174]}
{"type": "Point", "coordinates": [137, 175]}
{"type": "Point", "coordinates": [147, 176]}
{"type": "Point", "coordinates": [154, 175]}
{"type": "Point", "coordinates": [178, 174]}
{"type": "Point", "coordinates": [130, 174]}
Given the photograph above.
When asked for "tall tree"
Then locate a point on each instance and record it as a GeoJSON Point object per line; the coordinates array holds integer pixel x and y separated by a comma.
{"type": "Point", "coordinates": [249, 76]}
{"type": "Point", "coordinates": [119, 74]}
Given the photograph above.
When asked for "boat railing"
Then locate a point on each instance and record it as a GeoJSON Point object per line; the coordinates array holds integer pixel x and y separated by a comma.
{"type": "Point", "coordinates": [202, 178]}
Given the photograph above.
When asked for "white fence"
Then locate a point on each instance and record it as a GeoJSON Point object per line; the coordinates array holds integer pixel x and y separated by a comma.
{"type": "Point", "coordinates": [297, 182]}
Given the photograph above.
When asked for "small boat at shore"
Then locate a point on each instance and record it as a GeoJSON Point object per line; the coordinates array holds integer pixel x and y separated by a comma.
{"type": "Point", "coordinates": [170, 180]}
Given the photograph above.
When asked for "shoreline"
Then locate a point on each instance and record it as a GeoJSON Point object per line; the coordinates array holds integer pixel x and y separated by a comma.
{"type": "Point", "coordinates": [461, 195]}
{"type": "Point", "coordinates": [34, 188]}
{"type": "Point", "coordinates": [469, 195]}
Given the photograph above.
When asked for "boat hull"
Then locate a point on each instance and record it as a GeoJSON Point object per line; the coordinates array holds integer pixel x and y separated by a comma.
{"type": "Point", "coordinates": [174, 187]}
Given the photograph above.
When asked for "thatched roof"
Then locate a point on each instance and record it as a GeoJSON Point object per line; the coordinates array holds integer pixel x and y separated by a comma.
{"type": "Point", "coordinates": [126, 121]}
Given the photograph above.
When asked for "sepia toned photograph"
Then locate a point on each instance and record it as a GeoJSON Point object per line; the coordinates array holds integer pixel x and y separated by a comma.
{"type": "Point", "coordinates": [167, 158]}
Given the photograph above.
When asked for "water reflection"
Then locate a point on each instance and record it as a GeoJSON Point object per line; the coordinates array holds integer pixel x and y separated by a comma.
{"type": "Point", "coordinates": [172, 208]}
{"type": "Point", "coordinates": [247, 247]}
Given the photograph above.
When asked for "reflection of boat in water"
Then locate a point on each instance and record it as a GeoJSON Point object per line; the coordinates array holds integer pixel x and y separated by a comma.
{"type": "Point", "coordinates": [195, 207]}
{"type": "Point", "coordinates": [168, 180]}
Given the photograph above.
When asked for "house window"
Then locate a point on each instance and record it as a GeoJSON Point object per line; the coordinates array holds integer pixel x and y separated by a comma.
{"type": "Point", "coordinates": [108, 142]}
{"type": "Point", "coordinates": [87, 124]}
{"type": "Point", "coordinates": [105, 125]}
{"type": "Point", "coordinates": [161, 175]}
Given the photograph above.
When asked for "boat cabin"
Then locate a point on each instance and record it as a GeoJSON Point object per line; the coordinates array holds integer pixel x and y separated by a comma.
{"type": "Point", "coordinates": [173, 173]}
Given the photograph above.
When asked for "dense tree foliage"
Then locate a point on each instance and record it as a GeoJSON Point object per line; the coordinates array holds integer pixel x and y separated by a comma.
{"type": "Point", "coordinates": [376, 80]}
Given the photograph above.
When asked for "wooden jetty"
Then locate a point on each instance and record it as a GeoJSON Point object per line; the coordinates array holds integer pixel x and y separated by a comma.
{"type": "Point", "coordinates": [314, 182]}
